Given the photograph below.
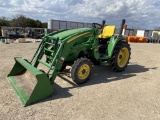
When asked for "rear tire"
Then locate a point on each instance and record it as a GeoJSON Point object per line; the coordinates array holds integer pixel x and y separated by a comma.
{"type": "Point", "coordinates": [120, 57]}
{"type": "Point", "coordinates": [81, 70]}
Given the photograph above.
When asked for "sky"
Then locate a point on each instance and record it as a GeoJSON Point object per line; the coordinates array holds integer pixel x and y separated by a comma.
{"type": "Point", "coordinates": [144, 14]}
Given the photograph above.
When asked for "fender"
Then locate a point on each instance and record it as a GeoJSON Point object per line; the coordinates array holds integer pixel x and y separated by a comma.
{"type": "Point", "coordinates": [112, 43]}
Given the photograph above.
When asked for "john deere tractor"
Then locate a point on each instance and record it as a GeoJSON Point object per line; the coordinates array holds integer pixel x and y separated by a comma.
{"type": "Point", "coordinates": [80, 48]}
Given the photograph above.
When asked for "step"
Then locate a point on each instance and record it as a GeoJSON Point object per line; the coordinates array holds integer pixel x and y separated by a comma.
{"type": "Point", "coordinates": [48, 50]}
{"type": "Point", "coordinates": [104, 57]}
{"type": "Point", "coordinates": [49, 57]}
{"type": "Point", "coordinates": [53, 44]}
{"type": "Point", "coordinates": [46, 64]}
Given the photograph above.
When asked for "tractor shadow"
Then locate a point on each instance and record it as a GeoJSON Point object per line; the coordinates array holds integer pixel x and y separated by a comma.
{"type": "Point", "coordinates": [100, 74]}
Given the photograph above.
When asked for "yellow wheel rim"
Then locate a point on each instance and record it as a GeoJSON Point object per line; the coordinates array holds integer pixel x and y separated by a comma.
{"type": "Point", "coordinates": [83, 71]}
{"type": "Point", "coordinates": [123, 57]}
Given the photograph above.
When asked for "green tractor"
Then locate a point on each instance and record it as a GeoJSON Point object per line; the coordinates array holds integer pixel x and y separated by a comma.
{"type": "Point", "coordinates": [79, 48]}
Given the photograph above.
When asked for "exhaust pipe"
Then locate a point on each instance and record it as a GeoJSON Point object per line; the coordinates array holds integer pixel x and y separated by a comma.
{"type": "Point", "coordinates": [103, 23]}
{"type": "Point", "coordinates": [123, 27]}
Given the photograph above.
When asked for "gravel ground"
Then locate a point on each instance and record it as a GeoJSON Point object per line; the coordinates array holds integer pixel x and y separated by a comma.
{"type": "Point", "coordinates": [130, 95]}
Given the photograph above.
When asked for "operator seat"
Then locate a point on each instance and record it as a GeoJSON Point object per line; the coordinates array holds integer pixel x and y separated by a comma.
{"type": "Point", "coordinates": [104, 38]}
{"type": "Point", "coordinates": [107, 32]}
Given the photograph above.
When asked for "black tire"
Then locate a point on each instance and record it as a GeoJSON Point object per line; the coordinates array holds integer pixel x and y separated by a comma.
{"type": "Point", "coordinates": [122, 53]}
{"type": "Point", "coordinates": [76, 70]}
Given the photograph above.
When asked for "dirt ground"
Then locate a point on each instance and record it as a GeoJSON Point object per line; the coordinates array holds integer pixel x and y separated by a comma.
{"type": "Point", "coordinates": [130, 95]}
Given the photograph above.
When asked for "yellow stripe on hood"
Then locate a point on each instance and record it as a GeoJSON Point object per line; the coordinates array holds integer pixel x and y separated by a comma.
{"type": "Point", "coordinates": [75, 37]}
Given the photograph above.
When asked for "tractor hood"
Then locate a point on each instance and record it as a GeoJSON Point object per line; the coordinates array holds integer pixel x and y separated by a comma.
{"type": "Point", "coordinates": [67, 33]}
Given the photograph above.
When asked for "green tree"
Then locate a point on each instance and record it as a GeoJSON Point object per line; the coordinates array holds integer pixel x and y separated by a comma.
{"type": "Point", "coordinates": [19, 21]}
{"type": "Point", "coordinates": [31, 22]}
{"type": "Point", "coordinates": [44, 25]}
{"type": "Point", "coordinates": [4, 21]}
{"type": "Point", "coordinates": [38, 24]}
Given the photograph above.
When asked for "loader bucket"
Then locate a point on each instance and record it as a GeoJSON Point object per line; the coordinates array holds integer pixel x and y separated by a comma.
{"type": "Point", "coordinates": [29, 83]}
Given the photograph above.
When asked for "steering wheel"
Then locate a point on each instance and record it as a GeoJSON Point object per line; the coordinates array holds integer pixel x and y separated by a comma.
{"type": "Point", "coordinates": [97, 25]}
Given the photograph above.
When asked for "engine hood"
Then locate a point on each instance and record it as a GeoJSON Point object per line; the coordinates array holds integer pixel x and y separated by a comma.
{"type": "Point", "coordinates": [72, 32]}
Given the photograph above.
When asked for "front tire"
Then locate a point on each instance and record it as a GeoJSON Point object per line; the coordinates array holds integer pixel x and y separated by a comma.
{"type": "Point", "coordinates": [120, 57]}
{"type": "Point", "coordinates": [81, 70]}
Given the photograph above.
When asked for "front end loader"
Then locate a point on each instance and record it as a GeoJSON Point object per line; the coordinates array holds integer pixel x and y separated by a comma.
{"type": "Point", "coordinates": [79, 48]}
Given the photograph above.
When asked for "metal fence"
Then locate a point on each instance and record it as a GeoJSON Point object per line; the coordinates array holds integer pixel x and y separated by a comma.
{"type": "Point", "coordinates": [140, 33]}
{"type": "Point", "coordinates": [59, 24]}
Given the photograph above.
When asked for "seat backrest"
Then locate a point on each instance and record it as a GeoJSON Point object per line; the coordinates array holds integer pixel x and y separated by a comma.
{"type": "Point", "coordinates": [108, 31]}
